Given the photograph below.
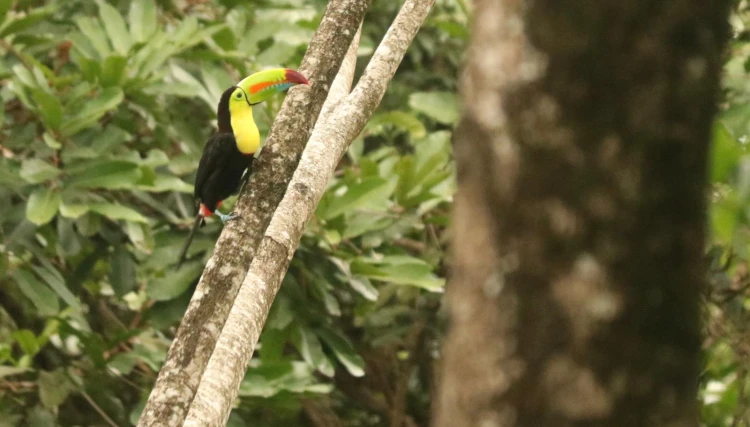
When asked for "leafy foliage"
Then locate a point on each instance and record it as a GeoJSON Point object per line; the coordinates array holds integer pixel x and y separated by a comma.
{"type": "Point", "coordinates": [107, 106]}
{"type": "Point", "coordinates": [724, 386]}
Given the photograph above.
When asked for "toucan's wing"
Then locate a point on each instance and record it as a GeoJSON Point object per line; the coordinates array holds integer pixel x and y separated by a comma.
{"type": "Point", "coordinates": [213, 157]}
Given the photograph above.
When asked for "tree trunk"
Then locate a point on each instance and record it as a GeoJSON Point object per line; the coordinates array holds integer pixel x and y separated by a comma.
{"type": "Point", "coordinates": [579, 218]}
{"type": "Point", "coordinates": [209, 307]}
{"type": "Point", "coordinates": [343, 117]}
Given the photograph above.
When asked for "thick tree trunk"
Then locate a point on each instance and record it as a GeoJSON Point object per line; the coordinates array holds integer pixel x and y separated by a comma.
{"type": "Point", "coordinates": [579, 219]}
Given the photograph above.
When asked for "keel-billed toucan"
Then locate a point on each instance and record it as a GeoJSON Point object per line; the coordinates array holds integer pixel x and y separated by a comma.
{"type": "Point", "coordinates": [230, 150]}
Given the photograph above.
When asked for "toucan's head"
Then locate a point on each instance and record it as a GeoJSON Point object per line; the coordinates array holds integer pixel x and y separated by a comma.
{"type": "Point", "coordinates": [262, 85]}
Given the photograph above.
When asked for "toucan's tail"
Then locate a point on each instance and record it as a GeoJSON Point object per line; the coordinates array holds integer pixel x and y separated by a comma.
{"type": "Point", "coordinates": [196, 225]}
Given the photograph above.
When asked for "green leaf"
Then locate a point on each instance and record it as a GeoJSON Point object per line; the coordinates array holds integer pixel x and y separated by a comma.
{"type": "Point", "coordinates": [236, 421]}
{"type": "Point", "coordinates": [113, 70]}
{"type": "Point", "coordinates": [42, 206]}
{"type": "Point", "coordinates": [24, 76]}
{"type": "Point", "coordinates": [174, 283]}
{"type": "Point", "coordinates": [343, 351]}
{"type": "Point", "coordinates": [87, 58]}
{"type": "Point", "coordinates": [725, 153]}
{"type": "Point", "coordinates": [94, 109]}
{"type": "Point", "coordinates": [400, 270]}
{"type": "Point", "coordinates": [111, 174]}
{"type": "Point", "coordinates": [311, 350]}
{"type": "Point", "coordinates": [282, 313]}
{"type": "Point", "coordinates": [4, 8]}
{"type": "Point", "coordinates": [36, 171]}
{"type": "Point", "coordinates": [164, 183]}
{"type": "Point", "coordinates": [329, 301]}
{"type": "Point", "coordinates": [117, 212]}
{"type": "Point", "coordinates": [27, 341]}
{"type": "Point", "coordinates": [725, 216]}
{"type": "Point", "coordinates": [272, 342]}
{"type": "Point", "coordinates": [432, 153]}
{"type": "Point", "coordinates": [67, 236]}
{"type": "Point", "coordinates": [154, 55]}
{"type": "Point", "coordinates": [360, 223]}
{"type": "Point", "coordinates": [49, 107]}
{"type": "Point", "coordinates": [142, 18]}
{"type": "Point", "coordinates": [441, 106]}
{"type": "Point", "coordinates": [54, 388]}
{"type": "Point", "coordinates": [364, 287]}
{"type": "Point", "coordinates": [40, 417]}
{"type": "Point", "coordinates": [360, 284]}
{"type": "Point", "coordinates": [55, 280]}
{"type": "Point", "coordinates": [39, 294]}
{"type": "Point", "coordinates": [115, 27]}
{"type": "Point", "coordinates": [216, 80]}
{"type": "Point", "coordinates": [140, 236]}
{"type": "Point", "coordinates": [51, 141]}
{"type": "Point", "coordinates": [122, 274]}
{"type": "Point", "coordinates": [7, 371]}
{"type": "Point", "coordinates": [397, 119]}
{"type": "Point", "coordinates": [73, 211]}
{"type": "Point", "coordinates": [89, 225]}
{"type": "Point", "coordinates": [269, 379]}
{"type": "Point", "coordinates": [455, 29]}
{"type": "Point", "coordinates": [355, 196]}
{"type": "Point", "coordinates": [277, 54]}
{"type": "Point", "coordinates": [123, 363]}
{"type": "Point", "coordinates": [16, 25]}
{"type": "Point", "coordinates": [92, 29]}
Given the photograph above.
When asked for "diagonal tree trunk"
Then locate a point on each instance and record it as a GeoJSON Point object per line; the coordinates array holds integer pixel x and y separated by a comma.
{"type": "Point", "coordinates": [209, 307]}
{"type": "Point", "coordinates": [235, 346]}
{"type": "Point", "coordinates": [342, 119]}
{"type": "Point", "coordinates": [579, 218]}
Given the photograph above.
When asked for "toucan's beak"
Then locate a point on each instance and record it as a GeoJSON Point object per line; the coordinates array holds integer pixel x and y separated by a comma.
{"type": "Point", "coordinates": [296, 78]}
{"type": "Point", "coordinates": [264, 84]}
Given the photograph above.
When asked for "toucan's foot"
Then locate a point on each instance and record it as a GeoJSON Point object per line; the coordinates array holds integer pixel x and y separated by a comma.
{"type": "Point", "coordinates": [226, 217]}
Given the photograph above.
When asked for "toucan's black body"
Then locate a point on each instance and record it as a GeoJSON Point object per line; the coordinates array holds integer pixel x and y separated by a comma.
{"type": "Point", "coordinates": [222, 164]}
{"type": "Point", "coordinates": [220, 169]}
{"type": "Point", "coordinates": [230, 152]}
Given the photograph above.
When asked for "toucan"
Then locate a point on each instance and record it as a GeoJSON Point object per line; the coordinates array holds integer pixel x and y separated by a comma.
{"type": "Point", "coordinates": [229, 152]}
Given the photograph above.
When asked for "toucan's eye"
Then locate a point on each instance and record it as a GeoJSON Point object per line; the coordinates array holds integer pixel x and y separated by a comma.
{"type": "Point", "coordinates": [239, 95]}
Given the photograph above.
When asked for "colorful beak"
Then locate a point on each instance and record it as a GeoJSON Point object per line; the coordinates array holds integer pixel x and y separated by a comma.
{"type": "Point", "coordinates": [264, 84]}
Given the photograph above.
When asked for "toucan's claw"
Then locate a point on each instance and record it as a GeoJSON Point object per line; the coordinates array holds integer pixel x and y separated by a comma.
{"type": "Point", "coordinates": [226, 217]}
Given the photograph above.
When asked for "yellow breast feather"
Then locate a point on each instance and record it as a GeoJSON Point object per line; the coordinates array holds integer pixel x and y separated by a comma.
{"type": "Point", "coordinates": [243, 125]}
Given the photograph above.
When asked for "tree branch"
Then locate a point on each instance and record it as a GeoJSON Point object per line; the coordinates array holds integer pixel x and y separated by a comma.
{"type": "Point", "coordinates": [226, 367]}
{"type": "Point", "coordinates": [189, 353]}
{"type": "Point", "coordinates": [328, 142]}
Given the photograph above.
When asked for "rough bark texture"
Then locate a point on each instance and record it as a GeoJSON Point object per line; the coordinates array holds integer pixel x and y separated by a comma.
{"type": "Point", "coordinates": [579, 218]}
{"type": "Point", "coordinates": [212, 300]}
{"type": "Point", "coordinates": [343, 118]}
{"type": "Point", "coordinates": [221, 380]}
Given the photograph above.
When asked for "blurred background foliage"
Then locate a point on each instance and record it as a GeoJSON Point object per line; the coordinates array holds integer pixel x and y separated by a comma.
{"type": "Point", "coordinates": [725, 385]}
{"type": "Point", "coordinates": [106, 107]}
